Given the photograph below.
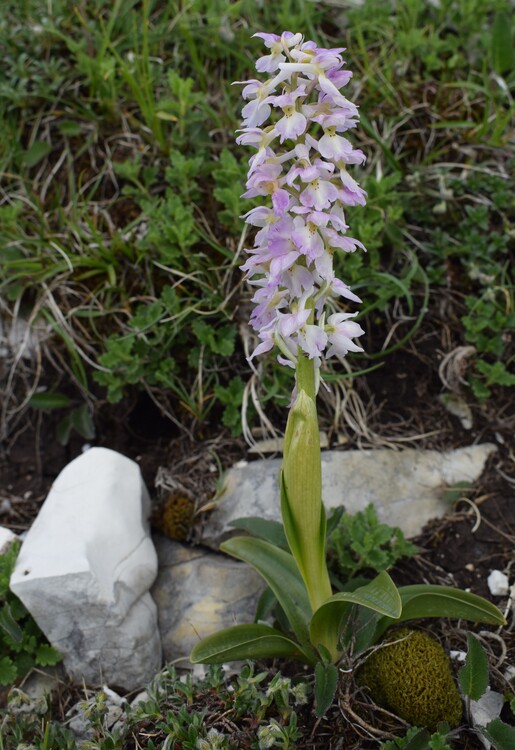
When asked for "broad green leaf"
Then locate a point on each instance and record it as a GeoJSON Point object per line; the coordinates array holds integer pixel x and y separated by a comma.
{"type": "Point", "coordinates": [473, 676]}
{"type": "Point", "coordinates": [36, 153]}
{"type": "Point", "coordinates": [362, 631]}
{"type": "Point", "coordinates": [49, 401]}
{"type": "Point", "coordinates": [427, 600]}
{"type": "Point", "coordinates": [380, 595]}
{"type": "Point", "coordinates": [326, 682]}
{"type": "Point", "coordinates": [255, 641]}
{"type": "Point", "coordinates": [270, 531]}
{"type": "Point", "coordinates": [280, 572]}
{"type": "Point", "coordinates": [501, 735]}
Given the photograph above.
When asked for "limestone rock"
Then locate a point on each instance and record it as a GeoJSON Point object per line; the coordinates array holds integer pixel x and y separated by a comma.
{"type": "Point", "coordinates": [85, 569]}
{"type": "Point", "coordinates": [406, 487]}
{"type": "Point", "coordinates": [199, 592]}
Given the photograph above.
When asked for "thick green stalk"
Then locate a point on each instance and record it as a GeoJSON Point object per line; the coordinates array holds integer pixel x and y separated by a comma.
{"type": "Point", "coordinates": [301, 487]}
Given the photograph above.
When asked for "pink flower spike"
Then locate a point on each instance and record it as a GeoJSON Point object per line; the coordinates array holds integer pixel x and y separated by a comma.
{"type": "Point", "coordinates": [306, 186]}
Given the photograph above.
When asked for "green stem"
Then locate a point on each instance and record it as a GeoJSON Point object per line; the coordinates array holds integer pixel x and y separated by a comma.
{"type": "Point", "coordinates": [306, 376]}
{"type": "Point", "coordinates": [301, 491]}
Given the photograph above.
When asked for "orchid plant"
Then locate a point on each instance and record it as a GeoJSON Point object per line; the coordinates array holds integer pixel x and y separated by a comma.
{"type": "Point", "coordinates": [300, 168]}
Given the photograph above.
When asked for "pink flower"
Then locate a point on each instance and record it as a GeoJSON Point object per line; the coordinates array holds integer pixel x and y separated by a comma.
{"type": "Point", "coordinates": [304, 179]}
{"type": "Point", "coordinates": [340, 332]}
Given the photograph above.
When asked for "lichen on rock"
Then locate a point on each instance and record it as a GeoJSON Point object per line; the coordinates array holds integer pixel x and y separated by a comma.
{"type": "Point", "coordinates": [411, 676]}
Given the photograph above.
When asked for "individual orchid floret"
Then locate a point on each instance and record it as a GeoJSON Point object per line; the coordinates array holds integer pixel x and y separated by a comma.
{"type": "Point", "coordinates": [294, 123]}
{"type": "Point", "coordinates": [266, 180]}
{"type": "Point", "coordinates": [340, 331]}
{"type": "Point", "coordinates": [277, 46]}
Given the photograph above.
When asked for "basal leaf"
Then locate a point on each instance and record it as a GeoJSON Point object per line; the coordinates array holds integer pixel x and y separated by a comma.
{"type": "Point", "coordinates": [270, 531]}
{"type": "Point", "coordinates": [279, 570]}
{"type": "Point", "coordinates": [255, 641]}
{"type": "Point", "coordinates": [427, 600]}
{"type": "Point", "coordinates": [380, 595]}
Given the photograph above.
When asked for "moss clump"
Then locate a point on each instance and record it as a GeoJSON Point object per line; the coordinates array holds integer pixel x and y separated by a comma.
{"type": "Point", "coordinates": [411, 676]}
{"type": "Point", "coordinates": [175, 517]}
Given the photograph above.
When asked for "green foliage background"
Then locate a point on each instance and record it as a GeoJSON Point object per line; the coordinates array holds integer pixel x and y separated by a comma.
{"type": "Point", "coordinates": [120, 228]}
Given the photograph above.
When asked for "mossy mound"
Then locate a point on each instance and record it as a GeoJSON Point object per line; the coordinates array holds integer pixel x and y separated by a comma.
{"type": "Point", "coordinates": [411, 676]}
{"type": "Point", "coordinates": [174, 517]}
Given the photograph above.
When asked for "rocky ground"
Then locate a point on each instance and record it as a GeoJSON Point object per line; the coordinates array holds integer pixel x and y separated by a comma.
{"type": "Point", "coordinates": [476, 536]}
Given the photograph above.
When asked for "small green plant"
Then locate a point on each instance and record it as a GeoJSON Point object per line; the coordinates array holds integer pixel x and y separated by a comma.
{"type": "Point", "coordinates": [77, 419]}
{"type": "Point", "coordinates": [22, 644]}
{"type": "Point", "coordinates": [420, 739]}
{"type": "Point", "coordinates": [474, 682]}
{"type": "Point", "coordinates": [360, 542]}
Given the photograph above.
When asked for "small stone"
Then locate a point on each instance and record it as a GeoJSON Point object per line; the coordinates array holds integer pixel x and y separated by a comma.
{"type": "Point", "coordinates": [509, 673]}
{"type": "Point", "coordinates": [487, 708]}
{"type": "Point", "coordinates": [458, 407]}
{"type": "Point", "coordinates": [142, 697]}
{"type": "Point", "coordinates": [498, 583]}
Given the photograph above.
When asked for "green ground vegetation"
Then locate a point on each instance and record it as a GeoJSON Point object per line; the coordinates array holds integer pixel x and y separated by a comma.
{"type": "Point", "coordinates": [120, 228]}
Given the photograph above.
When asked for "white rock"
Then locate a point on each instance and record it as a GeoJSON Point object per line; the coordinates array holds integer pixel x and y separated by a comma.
{"type": "Point", "coordinates": [485, 710]}
{"type": "Point", "coordinates": [498, 583]}
{"type": "Point", "coordinates": [406, 486]}
{"type": "Point", "coordinates": [85, 569]}
{"type": "Point", "coordinates": [7, 537]}
{"type": "Point", "coordinates": [199, 592]}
